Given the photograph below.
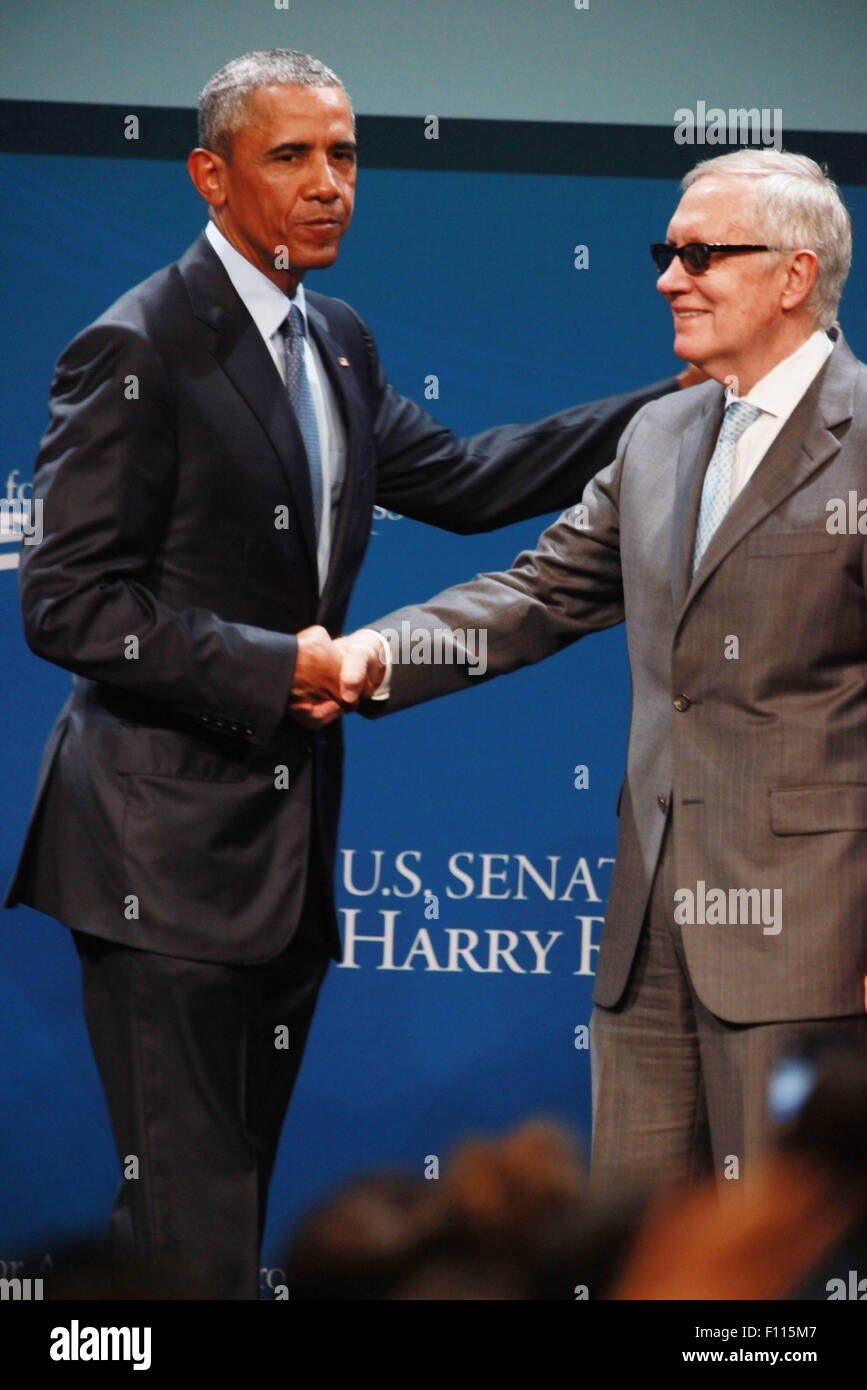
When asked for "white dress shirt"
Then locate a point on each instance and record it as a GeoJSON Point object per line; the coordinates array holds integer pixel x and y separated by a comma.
{"type": "Point", "coordinates": [268, 306]}
{"type": "Point", "coordinates": [776, 395]}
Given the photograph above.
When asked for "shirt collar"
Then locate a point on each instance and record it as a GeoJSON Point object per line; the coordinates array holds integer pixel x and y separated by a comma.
{"type": "Point", "coordinates": [265, 302]}
{"type": "Point", "coordinates": [778, 392]}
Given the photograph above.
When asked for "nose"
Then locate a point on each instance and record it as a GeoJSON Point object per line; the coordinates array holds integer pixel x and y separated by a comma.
{"type": "Point", "coordinates": [322, 181]}
{"type": "Point", "coordinates": [675, 280]}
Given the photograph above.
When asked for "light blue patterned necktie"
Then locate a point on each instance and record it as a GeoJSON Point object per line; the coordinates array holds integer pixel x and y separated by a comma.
{"type": "Point", "coordinates": [301, 396]}
{"type": "Point", "coordinates": [717, 487]}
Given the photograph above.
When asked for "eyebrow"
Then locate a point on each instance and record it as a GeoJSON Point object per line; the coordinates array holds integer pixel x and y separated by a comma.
{"type": "Point", "coordinates": [303, 146]}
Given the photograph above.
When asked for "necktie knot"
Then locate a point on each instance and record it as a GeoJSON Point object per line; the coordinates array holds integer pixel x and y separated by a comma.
{"type": "Point", "coordinates": [292, 327]}
{"type": "Point", "coordinates": [738, 417]}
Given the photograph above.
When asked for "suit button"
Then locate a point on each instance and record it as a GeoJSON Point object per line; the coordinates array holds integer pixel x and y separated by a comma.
{"type": "Point", "coordinates": [205, 718]}
{"type": "Point", "coordinates": [249, 733]}
{"type": "Point", "coordinates": [662, 803]}
{"type": "Point", "coordinates": [682, 703]}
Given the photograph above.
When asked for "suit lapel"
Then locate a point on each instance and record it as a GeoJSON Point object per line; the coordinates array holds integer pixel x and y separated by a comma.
{"type": "Point", "coordinates": [243, 356]}
{"type": "Point", "coordinates": [696, 446]}
{"type": "Point", "coordinates": [805, 442]}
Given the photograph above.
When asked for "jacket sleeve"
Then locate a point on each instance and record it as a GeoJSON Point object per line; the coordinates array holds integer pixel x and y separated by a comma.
{"type": "Point", "coordinates": [500, 476]}
{"type": "Point", "coordinates": [569, 586]}
{"type": "Point", "coordinates": [104, 483]}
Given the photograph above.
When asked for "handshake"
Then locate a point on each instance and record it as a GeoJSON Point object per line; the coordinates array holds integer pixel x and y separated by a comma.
{"type": "Point", "coordinates": [333, 674]}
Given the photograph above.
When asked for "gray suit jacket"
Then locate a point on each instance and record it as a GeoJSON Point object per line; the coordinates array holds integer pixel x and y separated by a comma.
{"type": "Point", "coordinates": [756, 749]}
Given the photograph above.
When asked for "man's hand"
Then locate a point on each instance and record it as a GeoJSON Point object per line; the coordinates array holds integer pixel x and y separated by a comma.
{"type": "Point", "coordinates": [316, 682]}
{"type": "Point", "coordinates": [332, 676]}
{"type": "Point", "coordinates": [364, 665]}
{"type": "Point", "coordinates": [317, 667]}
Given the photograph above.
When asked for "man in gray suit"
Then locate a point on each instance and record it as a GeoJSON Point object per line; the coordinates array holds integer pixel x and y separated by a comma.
{"type": "Point", "coordinates": [727, 535]}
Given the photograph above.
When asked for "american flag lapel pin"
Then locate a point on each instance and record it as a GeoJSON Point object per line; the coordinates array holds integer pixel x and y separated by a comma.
{"type": "Point", "coordinates": [343, 361]}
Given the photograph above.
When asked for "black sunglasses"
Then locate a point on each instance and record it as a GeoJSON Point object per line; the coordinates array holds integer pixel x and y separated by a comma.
{"type": "Point", "coordinates": [695, 256]}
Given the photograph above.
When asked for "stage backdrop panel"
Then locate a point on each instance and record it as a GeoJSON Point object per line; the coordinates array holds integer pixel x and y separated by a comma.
{"type": "Point", "coordinates": [473, 872]}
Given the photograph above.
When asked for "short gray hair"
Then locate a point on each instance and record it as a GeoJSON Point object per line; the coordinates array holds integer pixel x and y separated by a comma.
{"type": "Point", "coordinates": [798, 205]}
{"type": "Point", "coordinates": [222, 105]}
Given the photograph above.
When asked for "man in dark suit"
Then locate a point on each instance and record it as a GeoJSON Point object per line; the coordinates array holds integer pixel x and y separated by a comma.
{"type": "Point", "coordinates": [217, 441]}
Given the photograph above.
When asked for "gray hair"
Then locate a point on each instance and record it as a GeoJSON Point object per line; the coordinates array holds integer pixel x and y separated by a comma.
{"type": "Point", "coordinates": [222, 105]}
{"type": "Point", "coordinates": [799, 206]}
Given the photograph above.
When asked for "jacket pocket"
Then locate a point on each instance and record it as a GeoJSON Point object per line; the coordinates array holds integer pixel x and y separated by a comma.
{"type": "Point", "coordinates": [814, 810]}
{"type": "Point", "coordinates": [143, 750]}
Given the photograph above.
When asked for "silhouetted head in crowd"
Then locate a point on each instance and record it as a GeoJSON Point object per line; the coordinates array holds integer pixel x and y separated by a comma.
{"type": "Point", "coordinates": [503, 1221]}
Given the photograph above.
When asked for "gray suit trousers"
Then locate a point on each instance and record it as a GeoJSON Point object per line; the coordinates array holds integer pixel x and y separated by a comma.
{"type": "Point", "coordinates": [677, 1092]}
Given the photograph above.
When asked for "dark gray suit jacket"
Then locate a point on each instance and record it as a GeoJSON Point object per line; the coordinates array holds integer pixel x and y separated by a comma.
{"type": "Point", "coordinates": [761, 760]}
{"type": "Point", "coordinates": [176, 803]}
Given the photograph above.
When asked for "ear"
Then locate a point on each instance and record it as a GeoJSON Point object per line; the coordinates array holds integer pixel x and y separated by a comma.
{"type": "Point", "coordinates": [208, 173]}
{"type": "Point", "coordinates": [800, 279]}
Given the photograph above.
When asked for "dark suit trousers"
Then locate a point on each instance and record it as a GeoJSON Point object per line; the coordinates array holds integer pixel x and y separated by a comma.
{"type": "Point", "coordinates": [197, 1082]}
{"type": "Point", "coordinates": [677, 1092]}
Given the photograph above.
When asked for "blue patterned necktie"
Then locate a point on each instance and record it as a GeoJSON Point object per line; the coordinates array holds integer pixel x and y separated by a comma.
{"type": "Point", "coordinates": [717, 487]}
{"type": "Point", "coordinates": [298, 386]}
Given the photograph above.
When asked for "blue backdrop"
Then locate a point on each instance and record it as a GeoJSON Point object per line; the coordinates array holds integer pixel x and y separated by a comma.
{"type": "Point", "coordinates": [470, 278]}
